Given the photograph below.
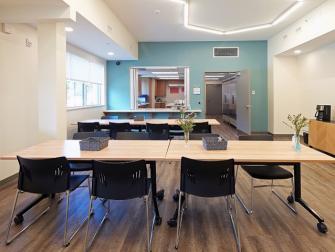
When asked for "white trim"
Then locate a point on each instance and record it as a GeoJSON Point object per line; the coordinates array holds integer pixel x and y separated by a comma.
{"type": "Point", "coordinates": [84, 107]}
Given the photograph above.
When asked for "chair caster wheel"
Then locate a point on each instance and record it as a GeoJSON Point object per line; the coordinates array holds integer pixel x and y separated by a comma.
{"type": "Point", "coordinates": [172, 222]}
{"type": "Point", "coordinates": [322, 227]}
{"type": "Point", "coordinates": [160, 195]}
{"type": "Point", "coordinates": [290, 199]}
{"type": "Point", "coordinates": [158, 221]}
{"type": "Point", "coordinates": [18, 219]}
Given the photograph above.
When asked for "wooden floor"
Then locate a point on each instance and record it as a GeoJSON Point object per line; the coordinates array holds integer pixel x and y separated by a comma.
{"type": "Point", "coordinates": [206, 226]}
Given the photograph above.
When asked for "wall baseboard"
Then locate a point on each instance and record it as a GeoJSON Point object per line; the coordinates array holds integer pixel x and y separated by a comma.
{"type": "Point", "coordinates": [10, 178]}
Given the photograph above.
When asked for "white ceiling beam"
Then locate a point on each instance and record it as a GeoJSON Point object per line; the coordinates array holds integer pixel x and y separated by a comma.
{"type": "Point", "coordinates": [103, 18]}
{"type": "Point", "coordinates": [27, 13]}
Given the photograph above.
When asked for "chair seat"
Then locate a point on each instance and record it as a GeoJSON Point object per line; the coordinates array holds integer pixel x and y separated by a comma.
{"type": "Point", "coordinates": [77, 167]}
{"type": "Point", "coordinates": [267, 172]}
{"type": "Point", "coordinates": [76, 181]}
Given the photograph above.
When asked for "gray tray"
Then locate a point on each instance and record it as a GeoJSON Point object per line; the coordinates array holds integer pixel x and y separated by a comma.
{"type": "Point", "coordinates": [93, 143]}
{"type": "Point", "coordinates": [214, 143]}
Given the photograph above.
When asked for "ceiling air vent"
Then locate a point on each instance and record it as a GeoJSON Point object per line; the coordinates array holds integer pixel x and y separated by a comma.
{"type": "Point", "coordinates": [225, 52]}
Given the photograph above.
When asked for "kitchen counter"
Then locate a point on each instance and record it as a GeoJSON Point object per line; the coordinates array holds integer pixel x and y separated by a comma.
{"type": "Point", "coordinates": [149, 110]}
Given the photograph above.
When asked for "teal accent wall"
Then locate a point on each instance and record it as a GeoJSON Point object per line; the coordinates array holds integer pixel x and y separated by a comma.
{"type": "Point", "coordinates": [199, 57]}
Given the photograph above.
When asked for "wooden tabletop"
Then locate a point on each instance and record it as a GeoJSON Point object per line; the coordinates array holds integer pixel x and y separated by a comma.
{"type": "Point", "coordinates": [133, 122]}
{"type": "Point", "coordinates": [116, 150]}
{"type": "Point", "coordinates": [241, 151]}
{"type": "Point", "coordinates": [247, 151]}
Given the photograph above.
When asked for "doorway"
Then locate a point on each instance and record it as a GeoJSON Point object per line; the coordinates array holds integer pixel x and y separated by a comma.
{"type": "Point", "coordinates": [228, 98]}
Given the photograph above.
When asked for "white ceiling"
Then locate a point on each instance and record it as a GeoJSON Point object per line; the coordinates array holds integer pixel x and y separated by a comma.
{"type": "Point", "coordinates": [145, 24]}
{"type": "Point", "coordinates": [89, 38]}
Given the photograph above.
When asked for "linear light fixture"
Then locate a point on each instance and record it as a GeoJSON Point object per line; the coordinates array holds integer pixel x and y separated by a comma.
{"type": "Point", "coordinates": [165, 73]}
{"type": "Point", "coordinates": [215, 76]}
{"type": "Point", "coordinates": [167, 76]}
{"type": "Point", "coordinates": [276, 21]}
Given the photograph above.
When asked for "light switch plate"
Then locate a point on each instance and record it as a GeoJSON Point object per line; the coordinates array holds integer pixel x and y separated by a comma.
{"type": "Point", "coordinates": [196, 91]}
{"type": "Point", "coordinates": [253, 92]}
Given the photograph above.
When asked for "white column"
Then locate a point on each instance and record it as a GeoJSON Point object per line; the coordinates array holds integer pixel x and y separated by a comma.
{"type": "Point", "coordinates": [51, 81]}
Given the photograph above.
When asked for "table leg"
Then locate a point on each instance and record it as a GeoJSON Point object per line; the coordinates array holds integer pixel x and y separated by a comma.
{"type": "Point", "coordinates": [297, 197]}
{"type": "Point", "coordinates": [158, 219]}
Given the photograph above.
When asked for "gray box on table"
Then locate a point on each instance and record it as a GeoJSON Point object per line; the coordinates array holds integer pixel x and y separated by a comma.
{"type": "Point", "coordinates": [214, 143]}
{"type": "Point", "coordinates": [93, 143]}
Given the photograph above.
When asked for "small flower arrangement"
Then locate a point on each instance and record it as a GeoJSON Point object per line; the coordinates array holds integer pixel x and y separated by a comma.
{"type": "Point", "coordinates": [296, 123]}
{"type": "Point", "coordinates": [186, 122]}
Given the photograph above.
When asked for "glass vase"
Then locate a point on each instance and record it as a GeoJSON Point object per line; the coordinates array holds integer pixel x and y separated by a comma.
{"type": "Point", "coordinates": [186, 136]}
{"type": "Point", "coordinates": [296, 142]}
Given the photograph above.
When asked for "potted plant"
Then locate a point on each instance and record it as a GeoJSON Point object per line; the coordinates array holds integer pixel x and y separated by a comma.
{"type": "Point", "coordinates": [297, 123]}
{"type": "Point", "coordinates": [186, 123]}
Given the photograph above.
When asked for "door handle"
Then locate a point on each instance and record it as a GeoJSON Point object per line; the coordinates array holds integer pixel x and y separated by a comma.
{"type": "Point", "coordinates": [248, 106]}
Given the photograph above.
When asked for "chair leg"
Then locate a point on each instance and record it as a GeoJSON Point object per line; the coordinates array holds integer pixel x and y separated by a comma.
{"type": "Point", "coordinates": [146, 200]}
{"type": "Point", "coordinates": [179, 219]}
{"type": "Point", "coordinates": [66, 243]}
{"type": "Point", "coordinates": [88, 244]}
{"type": "Point", "coordinates": [11, 216]}
{"type": "Point", "coordinates": [8, 241]}
{"type": "Point", "coordinates": [88, 223]}
{"type": "Point", "coordinates": [283, 200]}
{"type": "Point", "coordinates": [234, 221]}
{"type": "Point", "coordinates": [248, 210]}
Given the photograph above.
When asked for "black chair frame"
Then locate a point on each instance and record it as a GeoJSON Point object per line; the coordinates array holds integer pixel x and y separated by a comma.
{"type": "Point", "coordinates": [46, 177]}
{"type": "Point", "coordinates": [207, 179]}
{"type": "Point", "coordinates": [120, 181]}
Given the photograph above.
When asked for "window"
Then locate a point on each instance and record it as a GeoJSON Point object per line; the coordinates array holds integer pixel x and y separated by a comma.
{"type": "Point", "coordinates": [85, 84]}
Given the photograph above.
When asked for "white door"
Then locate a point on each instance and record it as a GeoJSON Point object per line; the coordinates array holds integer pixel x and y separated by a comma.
{"type": "Point", "coordinates": [243, 102]}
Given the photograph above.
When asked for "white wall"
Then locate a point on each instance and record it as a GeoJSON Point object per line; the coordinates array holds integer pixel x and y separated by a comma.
{"type": "Point", "coordinates": [283, 92]}
{"type": "Point", "coordinates": [18, 94]}
{"type": "Point", "coordinates": [317, 79]}
{"type": "Point", "coordinates": [75, 115]}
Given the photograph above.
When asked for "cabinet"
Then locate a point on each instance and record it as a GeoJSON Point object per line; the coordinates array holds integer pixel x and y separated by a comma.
{"type": "Point", "coordinates": [160, 88]}
{"type": "Point", "coordinates": [160, 105]}
{"type": "Point", "coordinates": [322, 136]}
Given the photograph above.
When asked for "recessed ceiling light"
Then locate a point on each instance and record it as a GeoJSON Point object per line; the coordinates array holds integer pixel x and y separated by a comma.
{"type": "Point", "coordinates": [68, 29]}
{"type": "Point", "coordinates": [297, 51]}
{"type": "Point", "coordinates": [110, 53]}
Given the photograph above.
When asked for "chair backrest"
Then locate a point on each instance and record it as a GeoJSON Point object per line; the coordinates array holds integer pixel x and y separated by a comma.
{"type": "Point", "coordinates": [207, 178]}
{"type": "Point", "coordinates": [118, 127]}
{"type": "Point", "coordinates": [119, 180]}
{"type": "Point", "coordinates": [88, 126]}
{"type": "Point", "coordinates": [202, 127]}
{"type": "Point", "coordinates": [199, 136]}
{"type": "Point", "coordinates": [84, 135]}
{"type": "Point", "coordinates": [264, 137]}
{"type": "Point", "coordinates": [158, 131]}
{"type": "Point", "coordinates": [132, 136]}
{"type": "Point", "coordinates": [44, 176]}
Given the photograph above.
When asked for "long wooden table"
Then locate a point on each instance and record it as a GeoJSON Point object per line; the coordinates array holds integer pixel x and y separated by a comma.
{"type": "Point", "coordinates": [257, 152]}
{"type": "Point", "coordinates": [150, 151]}
{"type": "Point", "coordinates": [243, 152]}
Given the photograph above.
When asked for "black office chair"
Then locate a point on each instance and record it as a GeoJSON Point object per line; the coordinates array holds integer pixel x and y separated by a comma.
{"type": "Point", "coordinates": [207, 179]}
{"type": "Point", "coordinates": [265, 172]}
{"type": "Point", "coordinates": [202, 127]}
{"type": "Point", "coordinates": [88, 126]}
{"type": "Point", "coordinates": [46, 177]}
{"type": "Point", "coordinates": [120, 181]}
{"type": "Point", "coordinates": [132, 136]}
{"type": "Point", "coordinates": [199, 136]}
{"type": "Point", "coordinates": [118, 127]}
{"type": "Point", "coordinates": [158, 131]}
